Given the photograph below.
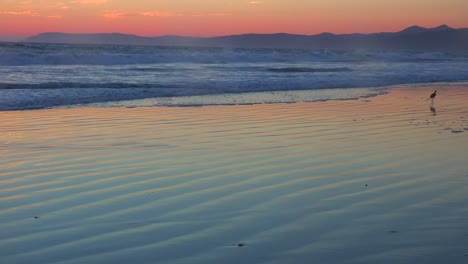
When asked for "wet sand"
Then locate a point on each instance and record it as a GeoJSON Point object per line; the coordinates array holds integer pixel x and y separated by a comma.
{"type": "Point", "coordinates": [373, 180]}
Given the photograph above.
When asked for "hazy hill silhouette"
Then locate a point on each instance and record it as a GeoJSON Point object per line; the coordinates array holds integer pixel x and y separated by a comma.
{"type": "Point", "coordinates": [415, 38]}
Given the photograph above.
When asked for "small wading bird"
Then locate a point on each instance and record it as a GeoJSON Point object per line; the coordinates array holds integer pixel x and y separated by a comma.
{"type": "Point", "coordinates": [433, 95]}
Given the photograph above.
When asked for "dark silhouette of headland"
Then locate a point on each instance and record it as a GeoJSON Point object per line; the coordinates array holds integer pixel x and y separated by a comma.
{"type": "Point", "coordinates": [439, 39]}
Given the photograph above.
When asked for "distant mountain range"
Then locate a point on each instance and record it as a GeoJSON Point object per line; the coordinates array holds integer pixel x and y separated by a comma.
{"type": "Point", "coordinates": [415, 38]}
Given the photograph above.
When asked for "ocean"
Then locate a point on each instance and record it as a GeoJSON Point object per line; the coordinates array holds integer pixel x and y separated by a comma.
{"type": "Point", "coordinates": [37, 76]}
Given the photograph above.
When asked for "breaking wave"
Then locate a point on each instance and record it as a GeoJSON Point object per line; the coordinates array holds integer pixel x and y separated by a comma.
{"type": "Point", "coordinates": [303, 69]}
{"type": "Point", "coordinates": [63, 54]}
{"type": "Point", "coordinates": [58, 75]}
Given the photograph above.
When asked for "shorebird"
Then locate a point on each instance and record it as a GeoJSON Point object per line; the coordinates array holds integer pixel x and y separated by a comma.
{"type": "Point", "coordinates": [432, 96]}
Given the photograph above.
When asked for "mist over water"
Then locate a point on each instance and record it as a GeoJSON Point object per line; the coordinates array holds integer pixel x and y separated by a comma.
{"type": "Point", "coordinates": [56, 75]}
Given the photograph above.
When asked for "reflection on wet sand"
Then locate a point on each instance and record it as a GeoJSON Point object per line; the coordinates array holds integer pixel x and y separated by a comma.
{"type": "Point", "coordinates": [354, 181]}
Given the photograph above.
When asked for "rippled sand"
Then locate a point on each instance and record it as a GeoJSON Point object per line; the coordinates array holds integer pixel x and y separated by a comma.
{"type": "Point", "coordinates": [375, 180]}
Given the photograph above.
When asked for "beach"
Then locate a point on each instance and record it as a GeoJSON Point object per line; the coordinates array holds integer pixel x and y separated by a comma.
{"type": "Point", "coordinates": [379, 179]}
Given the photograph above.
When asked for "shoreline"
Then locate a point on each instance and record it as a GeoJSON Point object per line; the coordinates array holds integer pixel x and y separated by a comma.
{"type": "Point", "coordinates": [232, 99]}
{"type": "Point", "coordinates": [254, 98]}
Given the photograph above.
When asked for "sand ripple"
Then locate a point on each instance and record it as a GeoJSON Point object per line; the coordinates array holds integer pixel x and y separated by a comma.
{"type": "Point", "coordinates": [377, 180]}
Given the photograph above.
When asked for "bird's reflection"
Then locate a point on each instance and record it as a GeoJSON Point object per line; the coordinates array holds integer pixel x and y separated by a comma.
{"type": "Point", "coordinates": [433, 110]}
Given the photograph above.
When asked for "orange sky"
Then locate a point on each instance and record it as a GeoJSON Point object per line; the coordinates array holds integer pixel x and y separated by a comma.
{"type": "Point", "coordinates": [225, 17]}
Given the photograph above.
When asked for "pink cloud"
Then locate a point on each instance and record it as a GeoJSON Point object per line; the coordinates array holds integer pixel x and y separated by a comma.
{"type": "Point", "coordinates": [89, 2]}
{"type": "Point", "coordinates": [160, 14]}
{"type": "Point", "coordinates": [119, 15]}
{"type": "Point", "coordinates": [212, 15]}
{"type": "Point", "coordinates": [21, 13]}
{"type": "Point", "coordinates": [116, 15]}
{"type": "Point", "coordinates": [256, 2]}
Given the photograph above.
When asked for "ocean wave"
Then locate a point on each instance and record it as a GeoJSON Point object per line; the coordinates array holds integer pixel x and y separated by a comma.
{"type": "Point", "coordinates": [151, 69]}
{"type": "Point", "coordinates": [306, 69]}
{"type": "Point", "coordinates": [74, 85]}
{"type": "Point", "coordinates": [62, 54]}
{"type": "Point", "coordinates": [44, 76]}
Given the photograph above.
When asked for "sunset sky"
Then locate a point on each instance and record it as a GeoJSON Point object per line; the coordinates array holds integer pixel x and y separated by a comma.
{"type": "Point", "coordinates": [225, 17]}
